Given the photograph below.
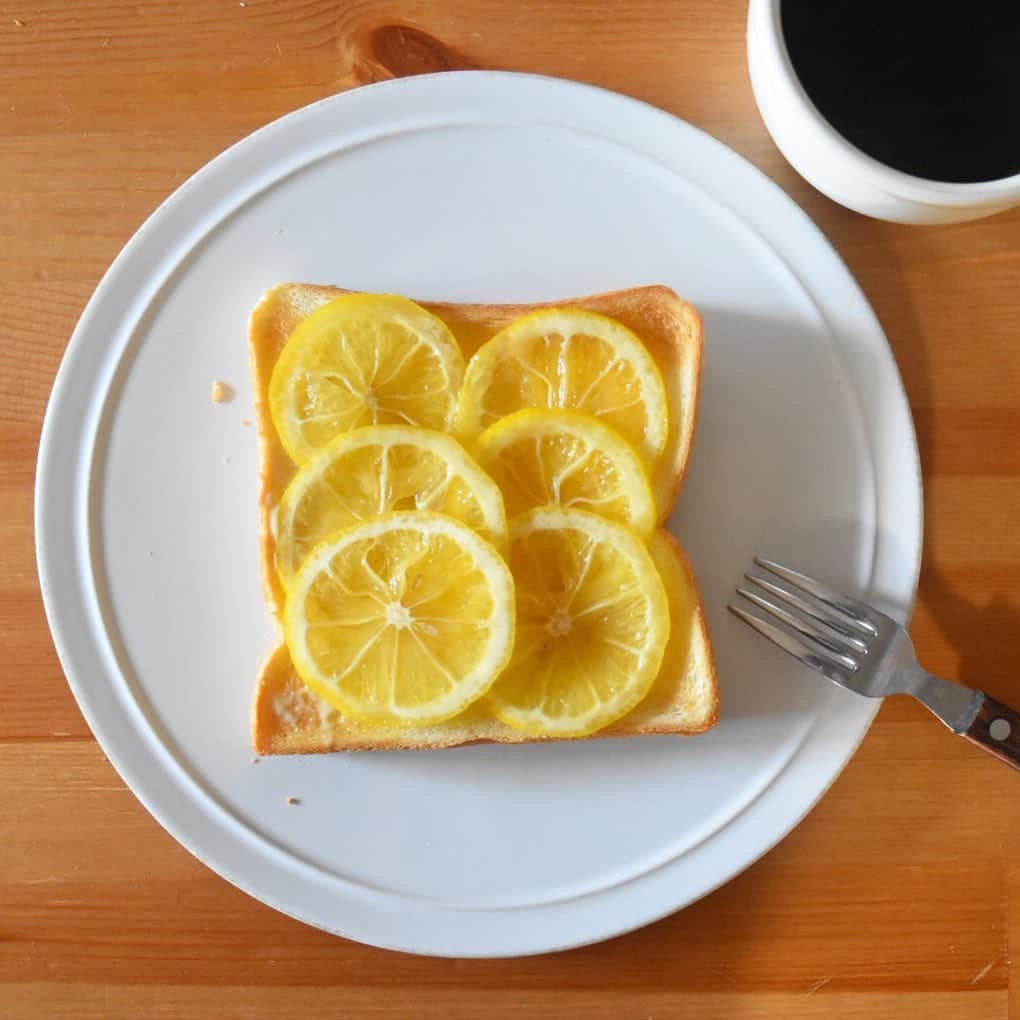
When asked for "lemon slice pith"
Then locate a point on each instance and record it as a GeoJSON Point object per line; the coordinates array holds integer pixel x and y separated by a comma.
{"type": "Point", "coordinates": [406, 619]}
{"type": "Point", "coordinates": [363, 359]}
{"type": "Point", "coordinates": [375, 470]}
{"type": "Point", "coordinates": [592, 624]}
{"type": "Point", "coordinates": [570, 459]}
{"type": "Point", "coordinates": [573, 359]}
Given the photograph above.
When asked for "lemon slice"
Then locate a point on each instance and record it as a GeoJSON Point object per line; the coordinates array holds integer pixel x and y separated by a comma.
{"type": "Point", "coordinates": [570, 459]}
{"type": "Point", "coordinates": [406, 619]}
{"type": "Point", "coordinates": [568, 358]}
{"type": "Point", "coordinates": [374, 470]}
{"type": "Point", "coordinates": [592, 624]}
{"type": "Point", "coordinates": [363, 359]}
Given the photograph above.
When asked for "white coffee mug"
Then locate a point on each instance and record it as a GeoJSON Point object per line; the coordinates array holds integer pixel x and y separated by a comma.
{"type": "Point", "coordinates": [836, 167]}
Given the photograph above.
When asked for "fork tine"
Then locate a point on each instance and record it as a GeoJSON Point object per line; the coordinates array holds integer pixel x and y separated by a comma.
{"type": "Point", "coordinates": [821, 612]}
{"type": "Point", "coordinates": [806, 629]}
{"type": "Point", "coordinates": [856, 610]}
{"type": "Point", "coordinates": [795, 646]}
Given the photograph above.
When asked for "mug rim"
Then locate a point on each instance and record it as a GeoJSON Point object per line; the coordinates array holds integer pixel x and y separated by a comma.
{"type": "Point", "coordinates": [928, 190]}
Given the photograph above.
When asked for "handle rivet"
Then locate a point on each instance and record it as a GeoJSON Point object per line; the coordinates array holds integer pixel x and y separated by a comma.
{"type": "Point", "coordinates": [1000, 729]}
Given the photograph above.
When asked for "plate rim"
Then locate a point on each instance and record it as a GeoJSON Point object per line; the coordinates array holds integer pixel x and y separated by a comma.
{"type": "Point", "coordinates": [49, 550]}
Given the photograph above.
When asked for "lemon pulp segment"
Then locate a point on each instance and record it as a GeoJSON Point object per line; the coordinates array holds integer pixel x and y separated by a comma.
{"type": "Point", "coordinates": [363, 359]}
{"type": "Point", "coordinates": [570, 459]}
{"type": "Point", "coordinates": [375, 470]}
{"type": "Point", "coordinates": [592, 624]}
{"type": "Point", "coordinates": [408, 618]}
{"type": "Point", "coordinates": [573, 359]}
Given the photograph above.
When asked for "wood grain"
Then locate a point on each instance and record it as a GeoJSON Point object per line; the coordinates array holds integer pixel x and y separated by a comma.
{"type": "Point", "coordinates": [898, 897]}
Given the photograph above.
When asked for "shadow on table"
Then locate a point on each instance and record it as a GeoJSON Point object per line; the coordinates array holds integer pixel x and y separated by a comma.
{"type": "Point", "coordinates": [984, 633]}
{"type": "Point", "coordinates": [986, 636]}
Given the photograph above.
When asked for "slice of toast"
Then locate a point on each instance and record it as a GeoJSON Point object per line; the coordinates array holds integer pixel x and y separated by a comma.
{"type": "Point", "coordinates": [289, 719]}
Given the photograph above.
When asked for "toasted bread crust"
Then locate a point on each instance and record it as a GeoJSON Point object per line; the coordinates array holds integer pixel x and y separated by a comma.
{"type": "Point", "coordinates": [287, 718]}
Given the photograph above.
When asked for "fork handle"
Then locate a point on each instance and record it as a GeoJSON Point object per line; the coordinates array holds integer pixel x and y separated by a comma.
{"type": "Point", "coordinates": [996, 729]}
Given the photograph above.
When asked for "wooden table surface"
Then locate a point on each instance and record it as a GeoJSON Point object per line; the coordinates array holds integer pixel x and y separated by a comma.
{"type": "Point", "coordinates": [899, 896]}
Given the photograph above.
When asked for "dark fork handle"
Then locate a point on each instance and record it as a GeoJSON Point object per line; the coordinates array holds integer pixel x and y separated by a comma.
{"type": "Point", "coordinates": [996, 728]}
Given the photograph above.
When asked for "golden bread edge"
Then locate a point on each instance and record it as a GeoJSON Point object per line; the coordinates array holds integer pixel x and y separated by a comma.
{"type": "Point", "coordinates": [672, 331]}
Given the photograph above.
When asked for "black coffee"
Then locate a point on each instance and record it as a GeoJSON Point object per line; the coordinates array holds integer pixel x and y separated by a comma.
{"type": "Point", "coordinates": [930, 87]}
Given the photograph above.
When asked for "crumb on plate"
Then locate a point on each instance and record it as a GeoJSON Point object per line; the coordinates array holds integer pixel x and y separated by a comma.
{"type": "Point", "coordinates": [221, 392]}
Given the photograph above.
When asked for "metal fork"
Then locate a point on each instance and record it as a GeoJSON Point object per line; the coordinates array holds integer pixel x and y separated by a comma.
{"type": "Point", "coordinates": [867, 652]}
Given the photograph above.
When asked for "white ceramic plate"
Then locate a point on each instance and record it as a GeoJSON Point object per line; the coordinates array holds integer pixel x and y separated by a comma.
{"type": "Point", "coordinates": [474, 187]}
